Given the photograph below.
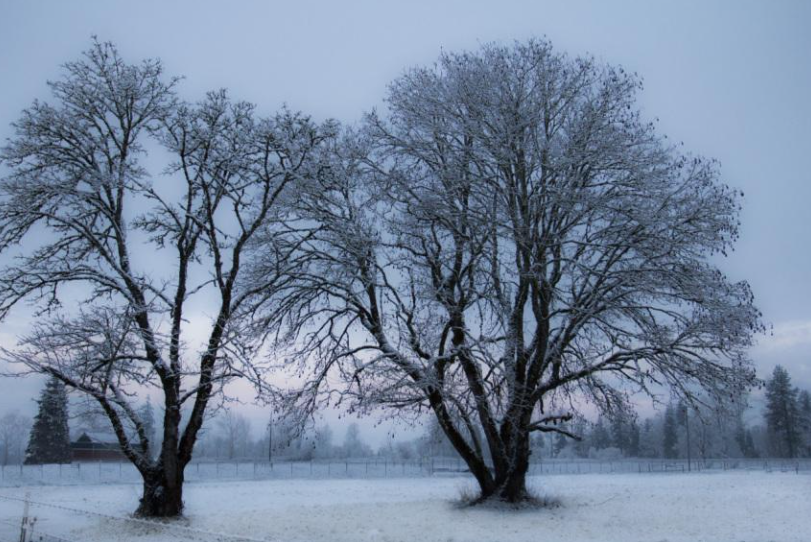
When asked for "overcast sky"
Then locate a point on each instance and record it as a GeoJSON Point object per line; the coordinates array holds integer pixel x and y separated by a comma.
{"type": "Point", "coordinates": [732, 80]}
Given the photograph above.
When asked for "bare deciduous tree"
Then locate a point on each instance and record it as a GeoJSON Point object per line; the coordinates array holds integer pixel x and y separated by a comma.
{"type": "Point", "coordinates": [140, 255]}
{"type": "Point", "coordinates": [511, 241]}
{"type": "Point", "coordinates": [235, 431]}
{"type": "Point", "coordinates": [14, 428]}
{"type": "Point", "coordinates": [354, 446]}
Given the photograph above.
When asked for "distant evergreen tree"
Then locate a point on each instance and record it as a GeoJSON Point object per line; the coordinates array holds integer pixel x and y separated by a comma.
{"type": "Point", "coordinates": [620, 431]}
{"type": "Point", "coordinates": [782, 414]}
{"type": "Point", "coordinates": [354, 446]}
{"type": "Point", "coordinates": [804, 408]}
{"type": "Point", "coordinates": [682, 413]}
{"type": "Point", "coordinates": [147, 415]}
{"type": "Point", "coordinates": [648, 443]}
{"type": "Point", "coordinates": [559, 443]}
{"type": "Point", "coordinates": [580, 428]}
{"type": "Point", "coordinates": [634, 447]}
{"type": "Point", "coordinates": [537, 444]}
{"type": "Point", "coordinates": [683, 420]}
{"type": "Point", "coordinates": [600, 437]}
{"type": "Point", "coordinates": [50, 438]}
{"type": "Point", "coordinates": [751, 449]}
{"type": "Point", "coordinates": [670, 434]}
{"type": "Point", "coordinates": [740, 439]}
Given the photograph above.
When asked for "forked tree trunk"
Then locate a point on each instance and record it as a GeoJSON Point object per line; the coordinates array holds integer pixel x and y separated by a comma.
{"type": "Point", "coordinates": [505, 481]}
{"type": "Point", "coordinates": [163, 484]}
{"type": "Point", "coordinates": [509, 484]}
{"type": "Point", "coordinates": [513, 483]}
{"type": "Point", "coordinates": [163, 494]}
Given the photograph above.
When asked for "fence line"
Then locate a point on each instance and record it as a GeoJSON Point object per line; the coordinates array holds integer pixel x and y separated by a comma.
{"type": "Point", "coordinates": [201, 471]}
{"type": "Point", "coordinates": [188, 532]}
{"type": "Point", "coordinates": [25, 530]}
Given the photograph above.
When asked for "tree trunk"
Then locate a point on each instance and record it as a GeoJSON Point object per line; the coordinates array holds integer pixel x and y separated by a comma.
{"type": "Point", "coordinates": [163, 485]}
{"type": "Point", "coordinates": [513, 488]}
{"type": "Point", "coordinates": [506, 479]}
{"type": "Point", "coordinates": [511, 482]}
{"type": "Point", "coordinates": [163, 495]}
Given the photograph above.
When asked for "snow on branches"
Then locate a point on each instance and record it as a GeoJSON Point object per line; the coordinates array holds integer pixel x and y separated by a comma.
{"type": "Point", "coordinates": [509, 239]}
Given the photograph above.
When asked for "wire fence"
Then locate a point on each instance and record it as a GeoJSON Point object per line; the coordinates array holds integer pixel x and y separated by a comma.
{"type": "Point", "coordinates": [24, 528]}
{"type": "Point", "coordinates": [27, 527]}
{"type": "Point", "coordinates": [202, 471]}
{"type": "Point", "coordinates": [591, 466]}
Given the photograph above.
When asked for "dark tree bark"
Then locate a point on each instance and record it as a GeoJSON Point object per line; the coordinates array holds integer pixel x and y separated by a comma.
{"type": "Point", "coordinates": [163, 494]}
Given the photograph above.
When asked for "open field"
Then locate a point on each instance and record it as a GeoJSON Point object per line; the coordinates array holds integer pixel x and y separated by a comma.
{"type": "Point", "coordinates": [709, 506]}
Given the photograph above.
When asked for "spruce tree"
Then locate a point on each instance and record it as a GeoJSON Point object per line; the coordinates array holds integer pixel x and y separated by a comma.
{"type": "Point", "coordinates": [740, 439]}
{"type": "Point", "coordinates": [751, 450]}
{"type": "Point", "coordinates": [147, 415]}
{"type": "Point", "coordinates": [634, 447]}
{"type": "Point", "coordinates": [559, 444]}
{"type": "Point", "coordinates": [50, 438]}
{"type": "Point", "coordinates": [683, 420]}
{"type": "Point", "coordinates": [670, 436]}
{"type": "Point", "coordinates": [782, 416]}
{"type": "Point", "coordinates": [580, 428]}
{"type": "Point", "coordinates": [648, 447]}
{"type": "Point", "coordinates": [600, 437]}
{"type": "Point", "coordinates": [804, 409]}
{"type": "Point", "coordinates": [620, 434]}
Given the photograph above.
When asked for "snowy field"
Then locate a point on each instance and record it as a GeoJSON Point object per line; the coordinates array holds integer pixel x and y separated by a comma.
{"type": "Point", "coordinates": [714, 506]}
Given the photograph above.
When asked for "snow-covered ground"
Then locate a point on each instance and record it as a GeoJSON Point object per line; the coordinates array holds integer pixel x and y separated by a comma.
{"type": "Point", "coordinates": [717, 506]}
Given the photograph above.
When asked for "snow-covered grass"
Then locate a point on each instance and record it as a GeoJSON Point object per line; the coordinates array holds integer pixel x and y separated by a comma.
{"type": "Point", "coordinates": [717, 506]}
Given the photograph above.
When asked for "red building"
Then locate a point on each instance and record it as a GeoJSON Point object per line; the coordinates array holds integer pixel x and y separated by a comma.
{"type": "Point", "coordinates": [96, 448]}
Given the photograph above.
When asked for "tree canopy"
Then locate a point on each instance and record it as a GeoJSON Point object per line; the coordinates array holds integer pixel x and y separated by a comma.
{"type": "Point", "coordinates": [508, 239]}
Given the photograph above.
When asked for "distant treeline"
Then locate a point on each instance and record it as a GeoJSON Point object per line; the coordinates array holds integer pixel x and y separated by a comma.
{"type": "Point", "coordinates": [677, 431]}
